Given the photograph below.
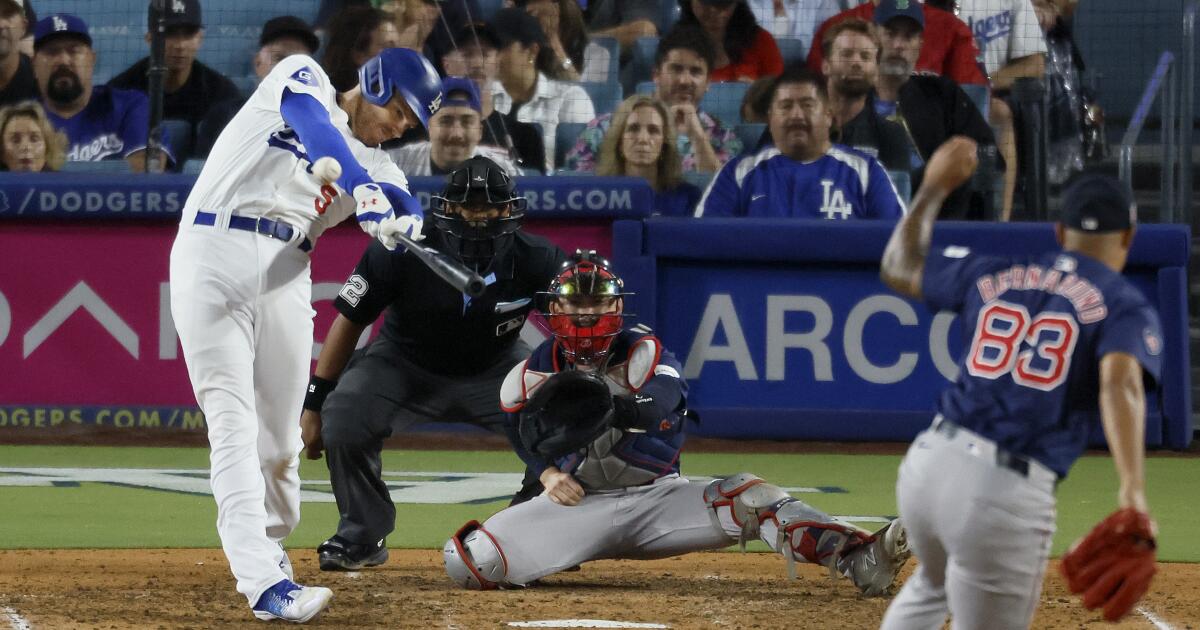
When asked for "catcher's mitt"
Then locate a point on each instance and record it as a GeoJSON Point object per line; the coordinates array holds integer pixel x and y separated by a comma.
{"type": "Point", "coordinates": [568, 412]}
{"type": "Point", "coordinates": [1113, 565]}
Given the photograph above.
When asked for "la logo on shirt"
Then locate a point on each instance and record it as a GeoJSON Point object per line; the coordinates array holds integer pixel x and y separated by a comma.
{"type": "Point", "coordinates": [834, 204]}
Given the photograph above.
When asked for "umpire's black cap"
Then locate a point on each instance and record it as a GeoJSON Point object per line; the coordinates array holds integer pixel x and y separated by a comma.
{"type": "Point", "coordinates": [1095, 202]}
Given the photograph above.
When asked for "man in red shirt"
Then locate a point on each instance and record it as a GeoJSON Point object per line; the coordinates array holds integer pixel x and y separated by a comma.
{"type": "Point", "coordinates": [949, 49]}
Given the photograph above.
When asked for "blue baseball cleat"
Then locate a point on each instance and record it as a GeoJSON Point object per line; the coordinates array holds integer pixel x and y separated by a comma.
{"type": "Point", "coordinates": [291, 602]}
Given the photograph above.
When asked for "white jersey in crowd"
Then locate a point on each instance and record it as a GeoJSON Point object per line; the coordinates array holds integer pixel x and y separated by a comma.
{"type": "Point", "coordinates": [258, 167]}
{"type": "Point", "coordinates": [414, 160]}
{"type": "Point", "coordinates": [552, 102]}
{"type": "Point", "coordinates": [1004, 30]}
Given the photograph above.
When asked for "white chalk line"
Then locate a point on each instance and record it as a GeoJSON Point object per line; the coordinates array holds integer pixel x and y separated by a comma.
{"type": "Point", "coordinates": [1154, 619]}
{"type": "Point", "coordinates": [15, 620]}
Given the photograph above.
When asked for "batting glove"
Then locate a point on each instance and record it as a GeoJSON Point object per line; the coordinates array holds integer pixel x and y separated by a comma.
{"type": "Point", "coordinates": [407, 225]}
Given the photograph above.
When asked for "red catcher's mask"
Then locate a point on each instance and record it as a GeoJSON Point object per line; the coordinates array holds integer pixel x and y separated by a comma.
{"type": "Point", "coordinates": [584, 329]}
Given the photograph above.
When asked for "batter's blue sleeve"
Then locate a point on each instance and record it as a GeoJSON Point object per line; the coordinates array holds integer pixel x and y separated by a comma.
{"type": "Point", "coordinates": [320, 138]}
{"type": "Point", "coordinates": [882, 200]}
{"type": "Point", "coordinates": [1134, 331]}
{"type": "Point", "coordinates": [949, 273]}
{"type": "Point", "coordinates": [721, 198]}
{"type": "Point", "coordinates": [401, 200]}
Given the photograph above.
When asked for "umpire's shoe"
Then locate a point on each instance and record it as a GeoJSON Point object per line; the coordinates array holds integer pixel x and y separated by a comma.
{"type": "Point", "coordinates": [874, 565]}
{"type": "Point", "coordinates": [291, 602]}
{"type": "Point", "coordinates": [339, 554]}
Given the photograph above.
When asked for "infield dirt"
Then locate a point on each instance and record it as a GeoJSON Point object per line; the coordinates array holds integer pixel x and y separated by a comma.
{"type": "Point", "coordinates": [192, 588]}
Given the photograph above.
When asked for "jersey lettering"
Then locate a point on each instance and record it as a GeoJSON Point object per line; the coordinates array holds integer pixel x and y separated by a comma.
{"type": "Point", "coordinates": [328, 193]}
{"type": "Point", "coordinates": [354, 289]}
{"type": "Point", "coordinates": [834, 205]}
{"type": "Point", "coordinates": [1001, 332]}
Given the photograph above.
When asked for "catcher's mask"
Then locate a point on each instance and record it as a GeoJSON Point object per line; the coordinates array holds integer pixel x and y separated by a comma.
{"type": "Point", "coordinates": [584, 308]}
{"type": "Point", "coordinates": [477, 215]}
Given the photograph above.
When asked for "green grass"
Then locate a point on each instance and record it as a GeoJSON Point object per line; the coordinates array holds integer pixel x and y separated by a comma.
{"type": "Point", "coordinates": [103, 515]}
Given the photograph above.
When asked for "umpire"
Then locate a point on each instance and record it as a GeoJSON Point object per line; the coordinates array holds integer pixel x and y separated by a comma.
{"type": "Point", "coordinates": [440, 356]}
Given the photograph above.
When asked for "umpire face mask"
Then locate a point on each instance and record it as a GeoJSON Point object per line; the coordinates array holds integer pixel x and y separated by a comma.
{"type": "Point", "coordinates": [476, 216]}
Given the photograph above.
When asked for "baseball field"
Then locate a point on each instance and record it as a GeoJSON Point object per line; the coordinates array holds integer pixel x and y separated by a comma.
{"type": "Point", "coordinates": [124, 537]}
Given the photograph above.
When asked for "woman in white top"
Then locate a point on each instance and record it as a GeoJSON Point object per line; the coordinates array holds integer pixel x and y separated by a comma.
{"type": "Point", "coordinates": [529, 94]}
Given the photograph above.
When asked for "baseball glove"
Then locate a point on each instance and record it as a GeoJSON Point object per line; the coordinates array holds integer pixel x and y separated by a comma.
{"type": "Point", "coordinates": [568, 412]}
{"type": "Point", "coordinates": [1112, 566]}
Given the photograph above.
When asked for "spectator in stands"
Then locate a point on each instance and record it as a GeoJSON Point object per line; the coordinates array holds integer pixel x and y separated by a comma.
{"type": "Point", "coordinates": [355, 35]}
{"type": "Point", "coordinates": [1013, 48]}
{"type": "Point", "coordinates": [574, 58]}
{"type": "Point", "coordinates": [754, 110]}
{"type": "Point", "coordinates": [744, 51]}
{"type": "Point", "coordinates": [640, 143]}
{"type": "Point", "coordinates": [949, 49]}
{"type": "Point", "coordinates": [26, 39]}
{"type": "Point", "coordinates": [281, 38]}
{"type": "Point", "coordinates": [446, 16]}
{"type": "Point", "coordinates": [931, 108]}
{"type": "Point", "coordinates": [190, 88]}
{"type": "Point", "coordinates": [793, 19]}
{"type": "Point", "coordinates": [624, 20]}
{"type": "Point", "coordinates": [681, 70]}
{"type": "Point", "coordinates": [100, 122]}
{"type": "Point", "coordinates": [475, 58]}
{"type": "Point", "coordinates": [17, 82]}
{"type": "Point", "coordinates": [803, 175]}
{"type": "Point", "coordinates": [526, 93]}
{"type": "Point", "coordinates": [28, 143]}
{"type": "Point", "coordinates": [454, 133]}
{"type": "Point", "coordinates": [1074, 120]}
{"type": "Point", "coordinates": [851, 66]}
{"type": "Point", "coordinates": [414, 19]}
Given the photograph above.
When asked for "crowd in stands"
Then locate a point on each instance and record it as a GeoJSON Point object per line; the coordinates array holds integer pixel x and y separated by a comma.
{"type": "Point", "coordinates": [726, 107]}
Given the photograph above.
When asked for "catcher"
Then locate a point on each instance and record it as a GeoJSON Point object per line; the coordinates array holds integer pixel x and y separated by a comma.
{"type": "Point", "coordinates": [598, 411]}
{"type": "Point", "coordinates": [1051, 339]}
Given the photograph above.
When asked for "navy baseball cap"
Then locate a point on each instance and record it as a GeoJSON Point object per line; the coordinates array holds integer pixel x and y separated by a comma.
{"type": "Point", "coordinates": [60, 25]}
{"type": "Point", "coordinates": [176, 13]}
{"type": "Point", "coordinates": [910, 9]}
{"type": "Point", "coordinates": [1095, 202]}
{"type": "Point", "coordinates": [455, 89]}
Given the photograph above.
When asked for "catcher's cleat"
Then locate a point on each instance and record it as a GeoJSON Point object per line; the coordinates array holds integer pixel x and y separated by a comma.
{"type": "Point", "coordinates": [339, 554]}
{"type": "Point", "coordinates": [873, 565]}
{"type": "Point", "coordinates": [289, 601]}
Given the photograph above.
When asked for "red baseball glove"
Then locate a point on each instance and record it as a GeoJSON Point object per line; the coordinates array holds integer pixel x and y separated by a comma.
{"type": "Point", "coordinates": [1112, 566]}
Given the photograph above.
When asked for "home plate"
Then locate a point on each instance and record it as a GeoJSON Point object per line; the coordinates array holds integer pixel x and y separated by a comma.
{"type": "Point", "coordinates": [582, 623]}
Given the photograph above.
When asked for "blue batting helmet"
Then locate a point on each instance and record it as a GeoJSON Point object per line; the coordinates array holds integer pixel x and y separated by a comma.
{"type": "Point", "coordinates": [404, 71]}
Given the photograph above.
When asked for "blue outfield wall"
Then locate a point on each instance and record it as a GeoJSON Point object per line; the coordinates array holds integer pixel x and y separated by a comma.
{"type": "Point", "coordinates": [786, 332]}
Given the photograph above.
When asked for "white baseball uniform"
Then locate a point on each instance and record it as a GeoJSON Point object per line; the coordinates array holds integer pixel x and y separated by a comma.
{"type": "Point", "coordinates": [241, 301]}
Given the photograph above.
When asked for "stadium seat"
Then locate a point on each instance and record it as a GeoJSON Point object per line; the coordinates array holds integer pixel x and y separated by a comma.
{"type": "Point", "coordinates": [668, 15]}
{"type": "Point", "coordinates": [646, 87]}
{"type": "Point", "coordinates": [565, 136]}
{"type": "Point", "coordinates": [903, 183]}
{"type": "Point", "coordinates": [605, 96]}
{"type": "Point", "coordinates": [177, 134]}
{"type": "Point", "coordinates": [699, 180]}
{"type": "Point", "coordinates": [641, 64]}
{"type": "Point", "coordinates": [193, 166]}
{"type": "Point", "coordinates": [103, 166]}
{"type": "Point", "coordinates": [488, 8]}
{"type": "Point", "coordinates": [749, 134]}
{"type": "Point", "coordinates": [792, 49]}
{"type": "Point", "coordinates": [614, 55]}
{"type": "Point", "coordinates": [724, 100]}
{"type": "Point", "coordinates": [980, 96]}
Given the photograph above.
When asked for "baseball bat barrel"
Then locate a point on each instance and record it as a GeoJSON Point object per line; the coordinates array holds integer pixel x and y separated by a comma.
{"type": "Point", "coordinates": [453, 272]}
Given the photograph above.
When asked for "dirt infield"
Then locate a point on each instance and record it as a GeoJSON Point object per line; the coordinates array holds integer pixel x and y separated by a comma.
{"type": "Point", "coordinates": [192, 588]}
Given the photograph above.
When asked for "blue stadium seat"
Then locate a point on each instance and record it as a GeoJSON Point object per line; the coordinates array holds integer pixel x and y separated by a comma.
{"type": "Point", "coordinates": [565, 136]}
{"type": "Point", "coordinates": [749, 134]}
{"type": "Point", "coordinates": [699, 180]}
{"type": "Point", "coordinates": [903, 183]}
{"type": "Point", "coordinates": [193, 166]}
{"type": "Point", "coordinates": [979, 95]}
{"type": "Point", "coordinates": [646, 87]}
{"type": "Point", "coordinates": [724, 100]}
{"type": "Point", "coordinates": [103, 166]}
{"type": "Point", "coordinates": [668, 15]}
{"type": "Point", "coordinates": [792, 49]}
{"type": "Point", "coordinates": [605, 96]}
{"type": "Point", "coordinates": [177, 134]}
{"type": "Point", "coordinates": [641, 64]}
{"type": "Point", "coordinates": [614, 55]}
{"type": "Point", "coordinates": [488, 8]}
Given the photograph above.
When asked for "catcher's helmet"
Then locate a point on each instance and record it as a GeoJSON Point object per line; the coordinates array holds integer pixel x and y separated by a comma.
{"type": "Point", "coordinates": [478, 182]}
{"type": "Point", "coordinates": [406, 72]}
{"type": "Point", "coordinates": [585, 283]}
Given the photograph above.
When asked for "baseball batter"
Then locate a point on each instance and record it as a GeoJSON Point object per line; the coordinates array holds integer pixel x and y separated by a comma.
{"type": "Point", "coordinates": [1050, 339]}
{"type": "Point", "coordinates": [240, 285]}
{"type": "Point", "coordinates": [598, 412]}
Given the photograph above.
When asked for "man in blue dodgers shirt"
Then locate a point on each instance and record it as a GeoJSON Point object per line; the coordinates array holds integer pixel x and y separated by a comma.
{"type": "Point", "coordinates": [1052, 339]}
{"type": "Point", "coordinates": [803, 174]}
{"type": "Point", "coordinates": [100, 122]}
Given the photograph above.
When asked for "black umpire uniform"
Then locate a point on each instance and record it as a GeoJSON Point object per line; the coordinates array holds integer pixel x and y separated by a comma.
{"type": "Point", "coordinates": [440, 356]}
